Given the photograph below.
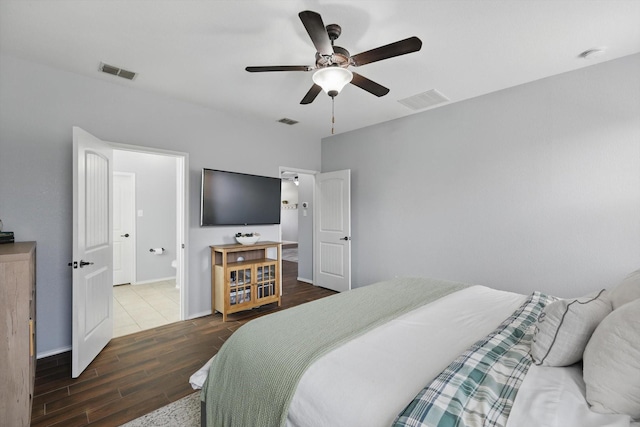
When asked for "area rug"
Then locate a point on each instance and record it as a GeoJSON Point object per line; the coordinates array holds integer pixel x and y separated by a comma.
{"type": "Point", "coordinates": [184, 413]}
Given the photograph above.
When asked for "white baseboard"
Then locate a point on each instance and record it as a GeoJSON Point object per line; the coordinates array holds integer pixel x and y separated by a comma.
{"type": "Point", "coordinates": [302, 279]}
{"type": "Point", "coordinates": [144, 282]}
{"type": "Point", "coordinates": [53, 352]}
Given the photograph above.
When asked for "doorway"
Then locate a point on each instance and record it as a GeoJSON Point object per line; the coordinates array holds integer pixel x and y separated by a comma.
{"type": "Point", "coordinates": [92, 242]}
{"type": "Point", "coordinates": [147, 214]}
{"type": "Point", "coordinates": [324, 241]}
{"type": "Point", "coordinates": [296, 230]}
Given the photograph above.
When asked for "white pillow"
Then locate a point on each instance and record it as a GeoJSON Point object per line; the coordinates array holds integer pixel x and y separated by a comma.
{"type": "Point", "coordinates": [612, 363]}
{"type": "Point", "coordinates": [627, 291]}
{"type": "Point", "coordinates": [564, 328]}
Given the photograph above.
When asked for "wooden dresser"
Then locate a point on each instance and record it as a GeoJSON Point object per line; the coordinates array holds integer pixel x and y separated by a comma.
{"type": "Point", "coordinates": [17, 332]}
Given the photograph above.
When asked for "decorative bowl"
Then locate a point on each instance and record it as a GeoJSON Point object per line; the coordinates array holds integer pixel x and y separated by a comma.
{"type": "Point", "coordinates": [247, 240]}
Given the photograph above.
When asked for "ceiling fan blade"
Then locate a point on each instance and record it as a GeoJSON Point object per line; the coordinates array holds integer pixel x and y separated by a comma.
{"type": "Point", "coordinates": [412, 44]}
{"type": "Point", "coordinates": [369, 85]}
{"type": "Point", "coordinates": [311, 95]}
{"type": "Point", "coordinates": [312, 21]}
{"type": "Point", "coordinates": [279, 68]}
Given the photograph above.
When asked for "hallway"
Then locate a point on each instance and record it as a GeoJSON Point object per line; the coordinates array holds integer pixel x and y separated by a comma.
{"type": "Point", "coordinates": [290, 252]}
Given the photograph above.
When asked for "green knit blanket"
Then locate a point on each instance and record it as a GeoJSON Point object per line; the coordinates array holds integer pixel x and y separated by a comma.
{"type": "Point", "coordinates": [255, 374]}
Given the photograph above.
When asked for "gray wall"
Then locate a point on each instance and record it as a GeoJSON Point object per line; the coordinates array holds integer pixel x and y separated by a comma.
{"type": "Point", "coordinates": [38, 107]}
{"type": "Point", "coordinates": [155, 196]}
{"type": "Point", "coordinates": [533, 187]}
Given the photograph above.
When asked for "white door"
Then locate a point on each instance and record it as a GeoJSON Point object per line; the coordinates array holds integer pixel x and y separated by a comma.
{"type": "Point", "coordinates": [332, 250]}
{"type": "Point", "coordinates": [92, 249]}
{"type": "Point", "coordinates": [123, 227]}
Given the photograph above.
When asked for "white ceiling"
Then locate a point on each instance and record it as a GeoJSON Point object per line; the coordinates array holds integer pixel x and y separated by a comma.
{"type": "Point", "coordinates": [197, 50]}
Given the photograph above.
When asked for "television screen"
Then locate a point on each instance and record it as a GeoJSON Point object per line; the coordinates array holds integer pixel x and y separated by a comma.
{"type": "Point", "coordinates": [231, 198]}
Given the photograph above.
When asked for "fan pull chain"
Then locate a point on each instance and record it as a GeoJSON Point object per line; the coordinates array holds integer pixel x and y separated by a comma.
{"type": "Point", "coordinates": [333, 114]}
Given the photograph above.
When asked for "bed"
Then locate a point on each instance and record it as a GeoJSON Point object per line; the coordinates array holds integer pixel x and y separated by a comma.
{"type": "Point", "coordinates": [405, 352]}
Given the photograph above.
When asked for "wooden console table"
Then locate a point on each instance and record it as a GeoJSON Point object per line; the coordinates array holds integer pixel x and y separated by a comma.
{"type": "Point", "coordinates": [245, 276]}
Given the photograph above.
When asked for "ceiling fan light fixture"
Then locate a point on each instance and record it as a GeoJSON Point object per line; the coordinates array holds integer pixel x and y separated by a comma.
{"type": "Point", "coordinates": [332, 79]}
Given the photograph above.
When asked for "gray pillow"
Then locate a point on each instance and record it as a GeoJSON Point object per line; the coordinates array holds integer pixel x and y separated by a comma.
{"type": "Point", "coordinates": [564, 328]}
{"type": "Point", "coordinates": [627, 291]}
{"type": "Point", "coordinates": [611, 364]}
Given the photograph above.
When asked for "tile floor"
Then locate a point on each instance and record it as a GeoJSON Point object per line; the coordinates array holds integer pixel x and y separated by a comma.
{"type": "Point", "coordinates": [140, 307]}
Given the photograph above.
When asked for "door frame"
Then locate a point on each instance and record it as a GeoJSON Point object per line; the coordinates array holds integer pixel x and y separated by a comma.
{"type": "Point", "coordinates": [182, 214]}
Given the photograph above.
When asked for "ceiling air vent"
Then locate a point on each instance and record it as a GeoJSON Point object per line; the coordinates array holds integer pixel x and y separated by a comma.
{"type": "Point", "coordinates": [424, 100]}
{"type": "Point", "coordinates": [287, 121]}
{"type": "Point", "coordinates": [110, 69]}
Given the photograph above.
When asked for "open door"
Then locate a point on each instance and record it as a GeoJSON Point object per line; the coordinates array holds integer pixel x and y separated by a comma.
{"type": "Point", "coordinates": [332, 249]}
{"type": "Point", "coordinates": [92, 249]}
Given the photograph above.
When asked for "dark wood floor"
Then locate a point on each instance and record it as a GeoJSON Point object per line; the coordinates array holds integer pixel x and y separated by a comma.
{"type": "Point", "coordinates": [141, 372]}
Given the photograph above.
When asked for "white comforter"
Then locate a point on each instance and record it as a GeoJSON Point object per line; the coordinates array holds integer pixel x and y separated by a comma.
{"type": "Point", "coordinates": [371, 379]}
{"type": "Point", "coordinates": [380, 372]}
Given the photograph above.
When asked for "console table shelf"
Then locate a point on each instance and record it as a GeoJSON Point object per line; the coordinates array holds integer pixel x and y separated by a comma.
{"type": "Point", "coordinates": [244, 276]}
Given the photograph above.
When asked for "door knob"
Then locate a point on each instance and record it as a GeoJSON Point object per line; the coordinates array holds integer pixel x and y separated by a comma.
{"type": "Point", "coordinates": [346, 238]}
{"type": "Point", "coordinates": [124, 235]}
{"type": "Point", "coordinates": [83, 263]}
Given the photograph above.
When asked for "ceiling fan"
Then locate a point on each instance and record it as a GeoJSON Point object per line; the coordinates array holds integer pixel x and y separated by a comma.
{"type": "Point", "coordinates": [332, 61]}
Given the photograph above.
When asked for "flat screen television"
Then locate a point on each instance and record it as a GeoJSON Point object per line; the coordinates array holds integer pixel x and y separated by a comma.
{"type": "Point", "coordinates": [231, 198]}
